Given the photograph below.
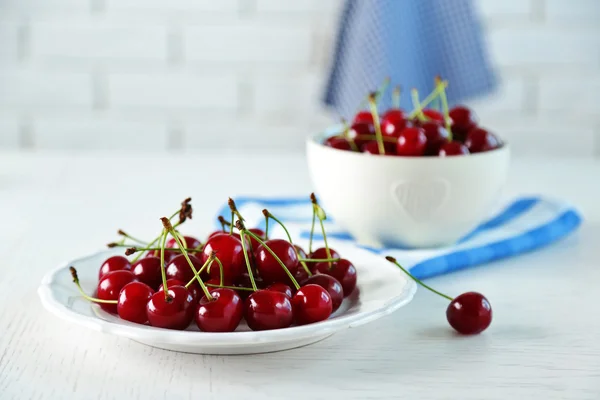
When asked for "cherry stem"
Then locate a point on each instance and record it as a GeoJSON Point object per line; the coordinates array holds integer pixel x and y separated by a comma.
{"type": "Point", "coordinates": [417, 106]}
{"type": "Point", "coordinates": [266, 227]}
{"type": "Point", "coordinates": [204, 266]}
{"type": "Point", "coordinates": [327, 251]}
{"type": "Point", "coordinates": [444, 106]}
{"type": "Point", "coordinates": [375, 114]}
{"type": "Point", "coordinates": [393, 261]}
{"type": "Point", "coordinates": [162, 264]}
{"type": "Point", "coordinates": [158, 237]}
{"type": "Point", "coordinates": [346, 135]}
{"type": "Point", "coordinates": [132, 250]}
{"type": "Point", "coordinates": [396, 97]}
{"type": "Point", "coordinates": [175, 235]}
{"type": "Point", "coordinates": [432, 96]}
{"type": "Point", "coordinates": [287, 271]}
{"type": "Point", "coordinates": [268, 215]}
{"type": "Point", "coordinates": [231, 225]}
{"type": "Point", "coordinates": [243, 237]}
{"type": "Point", "coordinates": [85, 296]}
{"type": "Point", "coordinates": [380, 90]}
{"type": "Point", "coordinates": [128, 236]}
{"type": "Point", "coordinates": [319, 259]}
{"type": "Point", "coordinates": [312, 231]}
{"type": "Point", "coordinates": [230, 287]}
{"type": "Point", "coordinates": [224, 223]}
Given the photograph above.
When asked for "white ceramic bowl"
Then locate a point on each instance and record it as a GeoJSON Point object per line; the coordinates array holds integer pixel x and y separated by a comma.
{"type": "Point", "coordinates": [381, 289]}
{"type": "Point", "coordinates": [406, 201]}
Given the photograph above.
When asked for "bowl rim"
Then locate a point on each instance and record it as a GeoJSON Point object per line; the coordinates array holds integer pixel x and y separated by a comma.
{"type": "Point", "coordinates": [317, 140]}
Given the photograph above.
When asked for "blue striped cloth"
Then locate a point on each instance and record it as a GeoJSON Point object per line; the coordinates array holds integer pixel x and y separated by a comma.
{"type": "Point", "coordinates": [410, 41]}
{"type": "Point", "coordinates": [523, 225]}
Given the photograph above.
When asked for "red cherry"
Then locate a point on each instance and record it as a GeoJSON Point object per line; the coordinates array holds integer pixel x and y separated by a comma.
{"type": "Point", "coordinates": [133, 299]}
{"type": "Point", "coordinates": [364, 116]}
{"type": "Point", "coordinates": [480, 140]}
{"type": "Point", "coordinates": [389, 149]}
{"type": "Point", "coordinates": [301, 275]}
{"type": "Point", "coordinates": [190, 243]}
{"type": "Point", "coordinates": [469, 313]}
{"type": "Point", "coordinates": [411, 142]}
{"type": "Point", "coordinates": [393, 122]}
{"type": "Point", "coordinates": [194, 289]}
{"type": "Point", "coordinates": [156, 253]}
{"type": "Point", "coordinates": [269, 268]}
{"type": "Point", "coordinates": [114, 263]}
{"type": "Point", "coordinates": [338, 143]}
{"type": "Point", "coordinates": [453, 148]}
{"type": "Point", "coordinates": [230, 253]}
{"type": "Point", "coordinates": [434, 115]}
{"type": "Point", "coordinates": [179, 268]}
{"type": "Point", "coordinates": [311, 303]}
{"type": "Point", "coordinates": [221, 314]}
{"type": "Point", "coordinates": [321, 253]}
{"type": "Point", "coordinates": [301, 252]}
{"type": "Point", "coordinates": [148, 271]}
{"type": "Point", "coordinates": [266, 309]}
{"type": "Point", "coordinates": [258, 232]}
{"type": "Point", "coordinates": [463, 120]}
{"type": "Point", "coordinates": [215, 233]}
{"type": "Point", "coordinates": [436, 136]}
{"type": "Point", "coordinates": [332, 285]}
{"type": "Point", "coordinates": [359, 129]}
{"type": "Point", "coordinates": [342, 270]}
{"type": "Point", "coordinates": [281, 287]}
{"type": "Point", "coordinates": [174, 312]}
{"type": "Point", "coordinates": [110, 286]}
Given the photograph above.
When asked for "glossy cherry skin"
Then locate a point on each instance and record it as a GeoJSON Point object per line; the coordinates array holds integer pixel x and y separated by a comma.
{"type": "Point", "coordinates": [311, 303]}
{"type": "Point", "coordinates": [434, 115]}
{"type": "Point", "coordinates": [221, 314]}
{"type": "Point", "coordinates": [258, 232]}
{"type": "Point", "coordinates": [389, 149]}
{"type": "Point", "coordinates": [436, 136]}
{"type": "Point", "coordinates": [179, 268]}
{"type": "Point", "coordinates": [301, 275]}
{"type": "Point", "coordinates": [469, 313]}
{"type": "Point", "coordinates": [267, 309]}
{"type": "Point", "coordinates": [194, 290]}
{"type": "Point", "coordinates": [321, 253]}
{"type": "Point", "coordinates": [148, 271]}
{"type": "Point", "coordinates": [176, 312]}
{"type": "Point", "coordinates": [411, 142]}
{"type": "Point", "coordinates": [364, 116]}
{"type": "Point", "coordinates": [480, 140]}
{"type": "Point", "coordinates": [133, 299]}
{"type": "Point", "coordinates": [114, 263]}
{"type": "Point", "coordinates": [230, 253]}
{"type": "Point", "coordinates": [463, 120]}
{"type": "Point", "coordinates": [269, 268]}
{"type": "Point", "coordinates": [338, 143]}
{"type": "Point", "coordinates": [332, 285]}
{"type": "Point", "coordinates": [281, 287]}
{"type": "Point", "coordinates": [190, 243]}
{"type": "Point", "coordinates": [359, 129]}
{"type": "Point", "coordinates": [110, 286]}
{"type": "Point", "coordinates": [215, 233]}
{"type": "Point", "coordinates": [301, 252]}
{"type": "Point", "coordinates": [453, 148]}
{"type": "Point", "coordinates": [343, 270]}
{"type": "Point", "coordinates": [393, 122]}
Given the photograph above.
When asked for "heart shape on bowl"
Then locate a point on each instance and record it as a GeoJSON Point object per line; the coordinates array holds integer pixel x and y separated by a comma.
{"type": "Point", "coordinates": [420, 200]}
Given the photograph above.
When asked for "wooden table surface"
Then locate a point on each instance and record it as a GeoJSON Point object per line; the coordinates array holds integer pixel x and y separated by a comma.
{"type": "Point", "coordinates": [544, 342]}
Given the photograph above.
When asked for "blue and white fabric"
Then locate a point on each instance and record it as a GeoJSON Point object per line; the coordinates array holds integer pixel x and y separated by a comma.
{"type": "Point", "coordinates": [410, 41]}
{"type": "Point", "coordinates": [522, 225]}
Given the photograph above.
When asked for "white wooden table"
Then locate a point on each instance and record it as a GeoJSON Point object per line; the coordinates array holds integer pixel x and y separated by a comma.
{"type": "Point", "coordinates": [544, 342]}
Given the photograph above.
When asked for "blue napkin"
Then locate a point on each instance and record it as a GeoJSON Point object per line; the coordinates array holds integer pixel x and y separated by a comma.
{"type": "Point", "coordinates": [410, 41]}
{"type": "Point", "coordinates": [524, 224]}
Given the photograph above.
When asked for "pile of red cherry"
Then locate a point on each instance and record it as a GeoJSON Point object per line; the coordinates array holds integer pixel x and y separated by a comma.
{"type": "Point", "coordinates": [271, 283]}
{"type": "Point", "coordinates": [422, 132]}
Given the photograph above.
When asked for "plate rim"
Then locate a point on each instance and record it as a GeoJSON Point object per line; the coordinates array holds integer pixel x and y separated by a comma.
{"type": "Point", "coordinates": [153, 334]}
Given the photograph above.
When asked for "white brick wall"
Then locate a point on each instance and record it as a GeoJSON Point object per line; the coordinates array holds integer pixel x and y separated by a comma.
{"type": "Point", "coordinates": [248, 74]}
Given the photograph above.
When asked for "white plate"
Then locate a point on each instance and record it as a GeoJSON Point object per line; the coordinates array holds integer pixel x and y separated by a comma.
{"type": "Point", "coordinates": [382, 288]}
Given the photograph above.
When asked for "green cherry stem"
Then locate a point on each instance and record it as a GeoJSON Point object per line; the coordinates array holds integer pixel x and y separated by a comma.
{"type": "Point", "coordinates": [128, 236]}
{"type": "Point", "coordinates": [266, 227]}
{"type": "Point", "coordinates": [312, 231]}
{"type": "Point", "coordinates": [432, 96]}
{"type": "Point", "coordinates": [396, 97]}
{"type": "Point", "coordinates": [162, 264]}
{"type": "Point", "coordinates": [133, 250]}
{"type": "Point", "coordinates": [243, 232]}
{"type": "Point", "coordinates": [204, 266]}
{"type": "Point", "coordinates": [156, 239]}
{"type": "Point", "coordinates": [346, 135]}
{"type": "Point", "coordinates": [259, 240]}
{"type": "Point", "coordinates": [321, 215]}
{"type": "Point", "coordinates": [319, 259]}
{"type": "Point", "coordinates": [85, 296]}
{"type": "Point", "coordinates": [417, 105]}
{"type": "Point", "coordinates": [376, 122]}
{"type": "Point", "coordinates": [230, 287]}
{"type": "Point", "coordinates": [175, 235]}
{"type": "Point", "coordinates": [444, 106]}
{"type": "Point", "coordinates": [223, 223]}
{"type": "Point", "coordinates": [393, 261]}
{"type": "Point", "coordinates": [268, 215]}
